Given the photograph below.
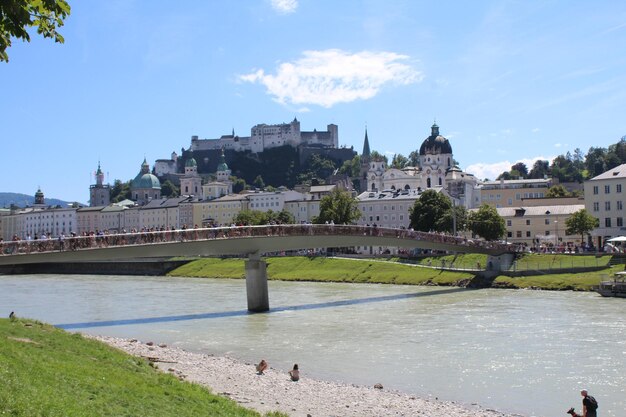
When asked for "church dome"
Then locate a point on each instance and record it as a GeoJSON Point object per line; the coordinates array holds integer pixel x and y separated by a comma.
{"type": "Point", "coordinates": [190, 163]}
{"type": "Point", "coordinates": [146, 181]}
{"type": "Point", "coordinates": [435, 144]}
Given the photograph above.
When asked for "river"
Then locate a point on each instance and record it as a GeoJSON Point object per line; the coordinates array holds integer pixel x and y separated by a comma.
{"type": "Point", "coordinates": [528, 352]}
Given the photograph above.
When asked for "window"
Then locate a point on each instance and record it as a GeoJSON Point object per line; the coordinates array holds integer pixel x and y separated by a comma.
{"type": "Point", "coordinates": [607, 222]}
{"type": "Point", "coordinates": [596, 206]}
{"type": "Point", "coordinates": [618, 188]}
{"type": "Point", "coordinates": [607, 189]}
{"type": "Point", "coordinates": [508, 223]}
{"type": "Point", "coordinates": [547, 221]}
{"type": "Point", "coordinates": [527, 222]}
{"type": "Point", "coordinates": [620, 222]}
{"type": "Point", "coordinates": [510, 201]}
{"type": "Point", "coordinates": [518, 233]}
{"type": "Point", "coordinates": [528, 233]}
{"type": "Point", "coordinates": [547, 233]}
{"type": "Point", "coordinates": [619, 205]}
{"type": "Point", "coordinates": [509, 234]}
{"type": "Point", "coordinates": [595, 189]}
{"type": "Point", "coordinates": [607, 205]}
{"type": "Point", "coordinates": [518, 196]}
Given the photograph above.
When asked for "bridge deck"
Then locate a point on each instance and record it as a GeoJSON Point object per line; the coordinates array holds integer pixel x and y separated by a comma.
{"type": "Point", "coordinates": [241, 240]}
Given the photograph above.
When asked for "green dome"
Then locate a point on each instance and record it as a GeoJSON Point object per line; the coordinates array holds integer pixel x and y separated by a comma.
{"type": "Point", "coordinates": [221, 167]}
{"type": "Point", "coordinates": [191, 163]}
{"type": "Point", "coordinates": [146, 181]}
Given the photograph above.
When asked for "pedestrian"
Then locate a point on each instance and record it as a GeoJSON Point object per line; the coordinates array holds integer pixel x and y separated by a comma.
{"type": "Point", "coordinates": [295, 373]}
{"type": "Point", "coordinates": [590, 405]}
{"type": "Point", "coordinates": [262, 366]}
{"type": "Point", "coordinates": [12, 316]}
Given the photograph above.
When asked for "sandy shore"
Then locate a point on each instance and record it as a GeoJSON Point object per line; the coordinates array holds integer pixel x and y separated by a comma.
{"type": "Point", "coordinates": [274, 391]}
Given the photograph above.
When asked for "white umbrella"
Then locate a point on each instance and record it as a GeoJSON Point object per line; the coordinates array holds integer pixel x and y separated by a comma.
{"type": "Point", "coordinates": [617, 239]}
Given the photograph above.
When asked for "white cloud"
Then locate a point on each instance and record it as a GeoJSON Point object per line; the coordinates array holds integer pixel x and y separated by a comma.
{"type": "Point", "coordinates": [535, 130]}
{"type": "Point", "coordinates": [491, 171]}
{"type": "Point", "coordinates": [334, 76]}
{"type": "Point", "coordinates": [285, 6]}
{"type": "Point", "coordinates": [557, 145]}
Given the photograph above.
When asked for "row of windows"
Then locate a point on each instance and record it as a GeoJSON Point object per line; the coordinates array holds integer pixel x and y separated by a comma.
{"type": "Point", "coordinates": [270, 204]}
{"type": "Point", "coordinates": [518, 233]}
{"type": "Point", "coordinates": [618, 220]}
{"type": "Point", "coordinates": [545, 221]}
{"type": "Point", "coordinates": [371, 208]}
{"type": "Point", "coordinates": [607, 189]}
{"type": "Point", "coordinates": [607, 205]}
{"type": "Point", "coordinates": [385, 218]}
{"type": "Point", "coordinates": [518, 196]}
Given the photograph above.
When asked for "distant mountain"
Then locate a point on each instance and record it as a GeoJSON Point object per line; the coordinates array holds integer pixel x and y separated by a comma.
{"type": "Point", "coordinates": [23, 200]}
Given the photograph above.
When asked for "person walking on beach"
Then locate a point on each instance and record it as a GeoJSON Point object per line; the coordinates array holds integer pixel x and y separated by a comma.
{"type": "Point", "coordinates": [262, 366]}
{"type": "Point", "coordinates": [590, 405]}
{"type": "Point", "coordinates": [295, 373]}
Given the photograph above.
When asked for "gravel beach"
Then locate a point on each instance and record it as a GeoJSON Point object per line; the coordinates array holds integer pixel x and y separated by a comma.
{"type": "Point", "coordinates": [274, 391]}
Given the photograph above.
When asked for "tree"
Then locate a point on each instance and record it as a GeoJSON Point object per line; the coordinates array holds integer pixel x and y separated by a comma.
{"type": "Point", "coordinates": [521, 169]}
{"type": "Point", "coordinates": [120, 191]}
{"type": "Point", "coordinates": [239, 184]}
{"type": "Point", "coordinates": [258, 182]}
{"type": "Point", "coordinates": [414, 158]}
{"type": "Point", "coordinates": [430, 211]}
{"type": "Point", "coordinates": [540, 169]}
{"type": "Point", "coordinates": [250, 218]}
{"type": "Point", "coordinates": [557, 191]}
{"type": "Point", "coordinates": [285, 217]}
{"type": "Point", "coordinates": [16, 16]}
{"type": "Point", "coordinates": [399, 161]}
{"type": "Point", "coordinates": [581, 223]}
{"type": "Point", "coordinates": [338, 207]}
{"type": "Point", "coordinates": [377, 156]}
{"type": "Point", "coordinates": [487, 223]}
{"type": "Point", "coordinates": [168, 189]}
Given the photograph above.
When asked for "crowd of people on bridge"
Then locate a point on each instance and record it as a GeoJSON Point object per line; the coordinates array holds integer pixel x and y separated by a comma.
{"type": "Point", "coordinates": [102, 239]}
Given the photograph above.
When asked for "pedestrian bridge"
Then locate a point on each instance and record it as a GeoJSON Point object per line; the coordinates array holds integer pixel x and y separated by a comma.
{"type": "Point", "coordinates": [250, 241]}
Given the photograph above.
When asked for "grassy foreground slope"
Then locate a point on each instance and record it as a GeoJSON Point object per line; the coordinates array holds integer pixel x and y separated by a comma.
{"type": "Point", "coordinates": [324, 270]}
{"type": "Point", "coordinates": [49, 372]}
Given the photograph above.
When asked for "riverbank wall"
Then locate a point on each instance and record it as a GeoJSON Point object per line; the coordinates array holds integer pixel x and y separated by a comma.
{"type": "Point", "coordinates": [153, 267]}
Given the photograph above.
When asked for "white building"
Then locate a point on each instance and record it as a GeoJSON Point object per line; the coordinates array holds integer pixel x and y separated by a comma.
{"type": "Point", "coordinates": [389, 208]}
{"type": "Point", "coordinates": [436, 170]}
{"type": "Point", "coordinates": [604, 199]}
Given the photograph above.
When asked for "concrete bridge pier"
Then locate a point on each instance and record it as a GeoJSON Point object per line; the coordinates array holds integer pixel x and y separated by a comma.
{"type": "Point", "coordinates": [256, 284]}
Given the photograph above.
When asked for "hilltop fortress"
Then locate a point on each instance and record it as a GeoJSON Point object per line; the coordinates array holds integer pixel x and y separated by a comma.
{"type": "Point", "coordinates": [264, 137]}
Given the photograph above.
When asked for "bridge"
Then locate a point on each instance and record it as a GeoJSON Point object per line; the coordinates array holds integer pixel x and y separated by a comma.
{"type": "Point", "coordinates": [250, 241]}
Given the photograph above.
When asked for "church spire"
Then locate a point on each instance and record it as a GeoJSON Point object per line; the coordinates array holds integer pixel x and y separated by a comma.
{"type": "Point", "coordinates": [366, 146]}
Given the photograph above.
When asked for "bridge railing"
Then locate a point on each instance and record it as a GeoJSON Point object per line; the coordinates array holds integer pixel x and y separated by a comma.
{"type": "Point", "coordinates": [104, 240]}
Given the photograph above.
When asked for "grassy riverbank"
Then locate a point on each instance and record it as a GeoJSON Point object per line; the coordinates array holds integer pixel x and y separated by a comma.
{"type": "Point", "coordinates": [323, 269]}
{"type": "Point", "coordinates": [48, 372]}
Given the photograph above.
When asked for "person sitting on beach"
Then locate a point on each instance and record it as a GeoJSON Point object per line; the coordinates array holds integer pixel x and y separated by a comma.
{"type": "Point", "coordinates": [262, 366]}
{"type": "Point", "coordinates": [295, 373]}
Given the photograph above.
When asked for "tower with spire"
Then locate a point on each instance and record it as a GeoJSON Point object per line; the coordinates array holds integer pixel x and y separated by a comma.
{"type": "Point", "coordinates": [39, 198]}
{"type": "Point", "coordinates": [191, 182]}
{"type": "Point", "coordinates": [365, 163]}
{"type": "Point", "coordinates": [99, 193]}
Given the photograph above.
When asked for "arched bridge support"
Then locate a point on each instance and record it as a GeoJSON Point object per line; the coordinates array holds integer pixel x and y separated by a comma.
{"type": "Point", "coordinates": [500, 262]}
{"type": "Point", "coordinates": [256, 284]}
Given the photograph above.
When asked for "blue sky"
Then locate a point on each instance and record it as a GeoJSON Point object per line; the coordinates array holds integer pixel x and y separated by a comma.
{"type": "Point", "coordinates": [506, 81]}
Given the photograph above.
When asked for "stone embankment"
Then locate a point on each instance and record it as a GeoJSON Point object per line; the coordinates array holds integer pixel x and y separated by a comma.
{"type": "Point", "coordinates": [274, 391]}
